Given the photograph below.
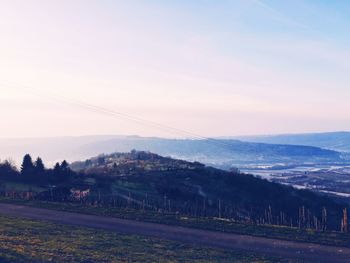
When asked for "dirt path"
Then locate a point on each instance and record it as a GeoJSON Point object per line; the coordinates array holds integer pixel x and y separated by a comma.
{"type": "Point", "coordinates": [289, 249]}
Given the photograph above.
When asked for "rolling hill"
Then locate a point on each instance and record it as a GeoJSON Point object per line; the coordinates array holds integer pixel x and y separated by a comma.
{"type": "Point", "coordinates": [187, 187]}
{"type": "Point", "coordinates": [147, 181]}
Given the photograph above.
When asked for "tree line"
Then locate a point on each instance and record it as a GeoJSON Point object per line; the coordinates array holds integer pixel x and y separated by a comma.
{"type": "Point", "coordinates": [35, 171]}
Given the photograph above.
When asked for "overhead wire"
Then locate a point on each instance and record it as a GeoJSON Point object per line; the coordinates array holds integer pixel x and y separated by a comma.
{"type": "Point", "coordinates": [116, 114]}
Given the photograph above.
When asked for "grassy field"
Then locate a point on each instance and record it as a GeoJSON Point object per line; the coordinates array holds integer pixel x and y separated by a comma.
{"type": "Point", "coordinates": [278, 232]}
{"type": "Point", "coordinates": [34, 241]}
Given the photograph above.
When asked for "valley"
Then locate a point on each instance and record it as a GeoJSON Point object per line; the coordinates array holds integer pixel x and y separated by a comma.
{"type": "Point", "coordinates": [332, 179]}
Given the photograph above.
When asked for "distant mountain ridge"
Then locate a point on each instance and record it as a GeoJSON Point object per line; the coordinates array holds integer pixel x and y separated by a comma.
{"type": "Point", "coordinates": [338, 141]}
{"type": "Point", "coordinates": [222, 153]}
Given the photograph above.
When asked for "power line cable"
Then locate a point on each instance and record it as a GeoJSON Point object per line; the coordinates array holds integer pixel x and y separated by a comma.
{"type": "Point", "coordinates": [116, 114]}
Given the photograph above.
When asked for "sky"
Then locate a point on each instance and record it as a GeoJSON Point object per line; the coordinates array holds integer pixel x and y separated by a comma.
{"type": "Point", "coordinates": [212, 68]}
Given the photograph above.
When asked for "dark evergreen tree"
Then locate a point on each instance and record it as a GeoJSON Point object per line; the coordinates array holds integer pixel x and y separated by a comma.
{"type": "Point", "coordinates": [57, 169]}
{"type": "Point", "coordinates": [39, 166]}
{"type": "Point", "coordinates": [64, 166]}
{"type": "Point", "coordinates": [27, 167]}
{"type": "Point", "coordinates": [8, 168]}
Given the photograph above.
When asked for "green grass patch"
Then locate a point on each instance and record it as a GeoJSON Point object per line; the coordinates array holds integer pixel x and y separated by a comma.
{"type": "Point", "coordinates": [25, 240]}
{"type": "Point", "coordinates": [20, 187]}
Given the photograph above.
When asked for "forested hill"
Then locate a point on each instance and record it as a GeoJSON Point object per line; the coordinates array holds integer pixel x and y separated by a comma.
{"type": "Point", "coordinates": [221, 153]}
{"type": "Point", "coordinates": [147, 181]}
{"type": "Point", "coordinates": [199, 189]}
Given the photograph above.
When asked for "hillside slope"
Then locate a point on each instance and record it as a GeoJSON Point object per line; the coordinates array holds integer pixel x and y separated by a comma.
{"type": "Point", "coordinates": [176, 185]}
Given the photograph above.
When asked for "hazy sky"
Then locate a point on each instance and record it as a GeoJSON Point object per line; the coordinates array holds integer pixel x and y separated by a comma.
{"type": "Point", "coordinates": [210, 67]}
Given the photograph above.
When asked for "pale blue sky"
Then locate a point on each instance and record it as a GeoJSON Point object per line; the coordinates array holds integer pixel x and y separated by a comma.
{"type": "Point", "coordinates": [211, 67]}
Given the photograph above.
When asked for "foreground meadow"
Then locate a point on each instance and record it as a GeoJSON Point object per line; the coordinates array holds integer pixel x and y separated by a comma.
{"type": "Point", "coordinates": [33, 241]}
